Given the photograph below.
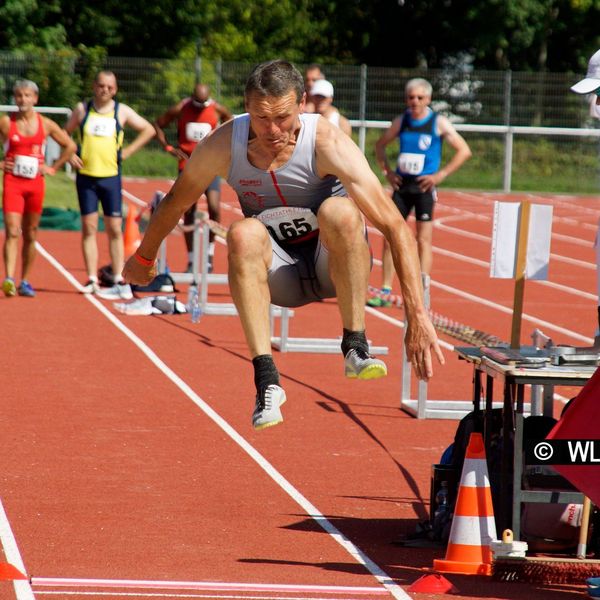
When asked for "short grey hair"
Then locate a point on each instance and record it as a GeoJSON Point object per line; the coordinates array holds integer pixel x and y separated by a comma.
{"type": "Point", "coordinates": [275, 78]}
{"type": "Point", "coordinates": [419, 82]}
{"type": "Point", "coordinates": [21, 84]}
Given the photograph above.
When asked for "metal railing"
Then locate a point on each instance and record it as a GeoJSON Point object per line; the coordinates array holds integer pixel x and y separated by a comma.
{"type": "Point", "coordinates": [508, 132]}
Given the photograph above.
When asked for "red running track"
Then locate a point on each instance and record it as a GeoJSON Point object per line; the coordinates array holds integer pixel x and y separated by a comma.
{"type": "Point", "coordinates": [113, 471]}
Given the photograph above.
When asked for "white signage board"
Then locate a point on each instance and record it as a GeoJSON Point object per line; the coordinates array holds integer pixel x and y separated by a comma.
{"type": "Point", "coordinates": [505, 241]}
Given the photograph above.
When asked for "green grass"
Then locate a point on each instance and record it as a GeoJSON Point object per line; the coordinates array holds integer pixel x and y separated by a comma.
{"type": "Point", "coordinates": [60, 192]}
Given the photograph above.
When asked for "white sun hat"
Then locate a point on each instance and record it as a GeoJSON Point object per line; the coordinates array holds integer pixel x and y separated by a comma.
{"type": "Point", "coordinates": [592, 79]}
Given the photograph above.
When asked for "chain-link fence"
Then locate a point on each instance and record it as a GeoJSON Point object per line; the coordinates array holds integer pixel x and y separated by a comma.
{"type": "Point", "coordinates": [362, 93]}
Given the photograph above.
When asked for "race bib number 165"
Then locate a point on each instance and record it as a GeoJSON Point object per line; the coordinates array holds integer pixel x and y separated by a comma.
{"type": "Point", "coordinates": [288, 222]}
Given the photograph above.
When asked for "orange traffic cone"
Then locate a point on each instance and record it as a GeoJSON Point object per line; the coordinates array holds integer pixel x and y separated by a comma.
{"type": "Point", "coordinates": [131, 237]}
{"type": "Point", "coordinates": [473, 525]}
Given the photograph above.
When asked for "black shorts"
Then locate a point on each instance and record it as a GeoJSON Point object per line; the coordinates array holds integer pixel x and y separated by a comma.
{"type": "Point", "coordinates": [409, 196]}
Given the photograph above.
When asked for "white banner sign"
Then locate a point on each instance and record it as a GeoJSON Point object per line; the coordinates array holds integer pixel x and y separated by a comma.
{"type": "Point", "coordinates": [505, 241]}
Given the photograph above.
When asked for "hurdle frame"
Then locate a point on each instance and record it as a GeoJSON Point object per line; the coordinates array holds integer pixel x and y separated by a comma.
{"type": "Point", "coordinates": [423, 408]}
{"type": "Point", "coordinates": [284, 342]}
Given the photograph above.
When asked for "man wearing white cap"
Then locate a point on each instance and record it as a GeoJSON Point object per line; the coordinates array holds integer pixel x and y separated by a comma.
{"type": "Point", "coordinates": [591, 85]}
{"type": "Point", "coordinates": [322, 95]}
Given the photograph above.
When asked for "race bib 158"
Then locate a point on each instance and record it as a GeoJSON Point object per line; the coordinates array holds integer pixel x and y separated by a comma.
{"type": "Point", "coordinates": [26, 166]}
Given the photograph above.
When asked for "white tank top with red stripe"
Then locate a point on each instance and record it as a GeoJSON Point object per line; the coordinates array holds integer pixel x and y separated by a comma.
{"type": "Point", "coordinates": [295, 184]}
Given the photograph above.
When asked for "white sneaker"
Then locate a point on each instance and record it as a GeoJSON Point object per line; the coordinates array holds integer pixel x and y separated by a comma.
{"type": "Point", "coordinates": [142, 306]}
{"type": "Point", "coordinates": [119, 291]}
{"type": "Point", "coordinates": [359, 364]}
{"type": "Point", "coordinates": [90, 287]}
{"type": "Point", "coordinates": [267, 412]}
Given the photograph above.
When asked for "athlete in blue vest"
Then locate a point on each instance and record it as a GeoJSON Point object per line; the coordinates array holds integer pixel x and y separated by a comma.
{"type": "Point", "coordinates": [420, 132]}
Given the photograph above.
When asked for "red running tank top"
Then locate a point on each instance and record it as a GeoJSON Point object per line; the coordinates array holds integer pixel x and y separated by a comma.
{"type": "Point", "coordinates": [22, 145]}
{"type": "Point", "coordinates": [189, 125]}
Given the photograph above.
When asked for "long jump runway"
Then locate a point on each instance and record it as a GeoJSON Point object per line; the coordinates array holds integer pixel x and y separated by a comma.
{"type": "Point", "coordinates": [130, 467]}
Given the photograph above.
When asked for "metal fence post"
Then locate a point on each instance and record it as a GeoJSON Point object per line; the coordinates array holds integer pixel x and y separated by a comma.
{"type": "Point", "coordinates": [219, 77]}
{"type": "Point", "coordinates": [508, 138]}
{"type": "Point", "coordinates": [362, 110]}
{"type": "Point", "coordinates": [198, 60]}
{"type": "Point", "coordinates": [508, 157]}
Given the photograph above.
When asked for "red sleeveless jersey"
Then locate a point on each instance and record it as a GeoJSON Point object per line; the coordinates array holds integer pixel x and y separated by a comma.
{"type": "Point", "coordinates": [22, 145]}
{"type": "Point", "coordinates": [189, 133]}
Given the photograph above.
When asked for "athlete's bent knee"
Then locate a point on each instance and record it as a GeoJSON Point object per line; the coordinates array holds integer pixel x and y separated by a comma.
{"type": "Point", "coordinates": [246, 236]}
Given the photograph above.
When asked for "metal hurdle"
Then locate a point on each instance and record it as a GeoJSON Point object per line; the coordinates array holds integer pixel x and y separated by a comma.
{"type": "Point", "coordinates": [422, 407]}
{"type": "Point", "coordinates": [286, 343]}
{"type": "Point", "coordinates": [200, 263]}
{"type": "Point", "coordinates": [205, 278]}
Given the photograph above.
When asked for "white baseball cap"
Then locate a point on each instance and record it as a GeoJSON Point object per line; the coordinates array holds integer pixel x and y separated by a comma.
{"type": "Point", "coordinates": [322, 87]}
{"type": "Point", "coordinates": [592, 78]}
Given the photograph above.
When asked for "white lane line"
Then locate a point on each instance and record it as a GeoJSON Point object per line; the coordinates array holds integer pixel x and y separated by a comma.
{"type": "Point", "coordinates": [509, 311]}
{"type": "Point", "coordinates": [220, 586]}
{"type": "Point", "coordinates": [359, 556]}
{"type": "Point", "coordinates": [486, 265]}
{"type": "Point", "coordinates": [213, 596]}
{"type": "Point", "coordinates": [489, 304]}
{"type": "Point", "coordinates": [559, 201]}
{"type": "Point", "coordinates": [484, 238]}
{"type": "Point", "coordinates": [23, 590]}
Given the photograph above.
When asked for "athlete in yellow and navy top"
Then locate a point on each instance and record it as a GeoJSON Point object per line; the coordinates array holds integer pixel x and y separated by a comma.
{"type": "Point", "coordinates": [100, 123]}
{"type": "Point", "coordinates": [101, 142]}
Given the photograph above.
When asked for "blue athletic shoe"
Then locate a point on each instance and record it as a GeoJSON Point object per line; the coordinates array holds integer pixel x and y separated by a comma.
{"type": "Point", "coordinates": [8, 287]}
{"type": "Point", "coordinates": [26, 290]}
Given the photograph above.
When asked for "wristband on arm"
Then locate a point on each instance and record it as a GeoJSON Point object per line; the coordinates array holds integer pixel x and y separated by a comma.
{"type": "Point", "coordinates": [146, 262]}
{"type": "Point", "coordinates": [169, 148]}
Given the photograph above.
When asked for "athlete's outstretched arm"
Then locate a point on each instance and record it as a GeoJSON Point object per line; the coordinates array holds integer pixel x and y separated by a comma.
{"type": "Point", "coordinates": [338, 155]}
{"type": "Point", "coordinates": [209, 159]}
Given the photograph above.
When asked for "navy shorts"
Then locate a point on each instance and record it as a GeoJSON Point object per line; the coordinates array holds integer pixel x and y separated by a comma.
{"type": "Point", "coordinates": [106, 190]}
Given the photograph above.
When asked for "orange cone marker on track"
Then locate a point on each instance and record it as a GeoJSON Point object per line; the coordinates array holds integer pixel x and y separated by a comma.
{"type": "Point", "coordinates": [9, 572]}
{"type": "Point", "coordinates": [131, 238]}
{"type": "Point", "coordinates": [473, 525]}
{"type": "Point", "coordinates": [433, 584]}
